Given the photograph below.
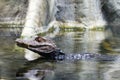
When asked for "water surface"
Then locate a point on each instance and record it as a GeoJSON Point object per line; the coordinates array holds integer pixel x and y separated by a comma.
{"type": "Point", "coordinates": [13, 66]}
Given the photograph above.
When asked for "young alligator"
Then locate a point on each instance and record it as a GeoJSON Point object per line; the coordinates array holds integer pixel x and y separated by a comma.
{"type": "Point", "coordinates": [47, 48]}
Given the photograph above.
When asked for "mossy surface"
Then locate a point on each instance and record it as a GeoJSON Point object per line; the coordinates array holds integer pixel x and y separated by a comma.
{"type": "Point", "coordinates": [98, 28]}
{"type": "Point", "coordinates": [71, 29]}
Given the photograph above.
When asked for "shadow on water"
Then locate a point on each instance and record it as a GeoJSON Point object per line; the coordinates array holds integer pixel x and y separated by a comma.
{"type": "Point", "coordinates": [13, 66]}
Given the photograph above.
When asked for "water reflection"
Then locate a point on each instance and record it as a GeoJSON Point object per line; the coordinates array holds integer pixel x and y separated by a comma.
{"type": "Point", "coordinates": [36, 70]}
{"type": "Point", "coordinates": [13, 66]}
{"type": "Point", "coordinates": [113, 73]}
{"type": "Point", "coordinates": [89, 70]}
{"type": "Point", "coordinates": [75, 42]}
{"type": "Point", "coordinates": [111, 45]}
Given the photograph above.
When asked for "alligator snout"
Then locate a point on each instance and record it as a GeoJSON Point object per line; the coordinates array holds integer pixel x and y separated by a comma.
{"type": "Point", "coordinates": [20, 43]}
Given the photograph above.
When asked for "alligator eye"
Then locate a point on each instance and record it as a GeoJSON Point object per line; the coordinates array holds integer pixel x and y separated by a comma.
{"type": "Point", "coordinates": [40, 39]}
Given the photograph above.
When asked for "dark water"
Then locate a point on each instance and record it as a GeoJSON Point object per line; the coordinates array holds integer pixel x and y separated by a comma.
{"type": "Point", "coordinates": [13, 66]}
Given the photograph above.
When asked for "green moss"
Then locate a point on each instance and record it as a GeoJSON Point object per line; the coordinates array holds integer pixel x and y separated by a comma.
{"type": "Point", "coordinates": [63, 29]}
{"type": "Point", "coordinates": [42, 34]}
{"type": "Point", "coordinates": [50, 30]}
{"type": "Point", "coordinates": [97, 28]}
{"type": "Point", "coordinates": [71, 29]}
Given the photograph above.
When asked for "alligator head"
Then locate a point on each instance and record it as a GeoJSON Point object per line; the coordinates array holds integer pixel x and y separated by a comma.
{"type": "Point", "coordinates": [43, 46]}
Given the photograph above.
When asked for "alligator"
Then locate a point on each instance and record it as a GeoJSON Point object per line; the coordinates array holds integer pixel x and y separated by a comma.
{"type": "Point", "coordinates": [48, 49]}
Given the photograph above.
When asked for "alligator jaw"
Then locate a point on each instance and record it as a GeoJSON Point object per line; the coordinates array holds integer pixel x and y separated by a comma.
{"type": "Point", "coordinates": [20, 43]}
